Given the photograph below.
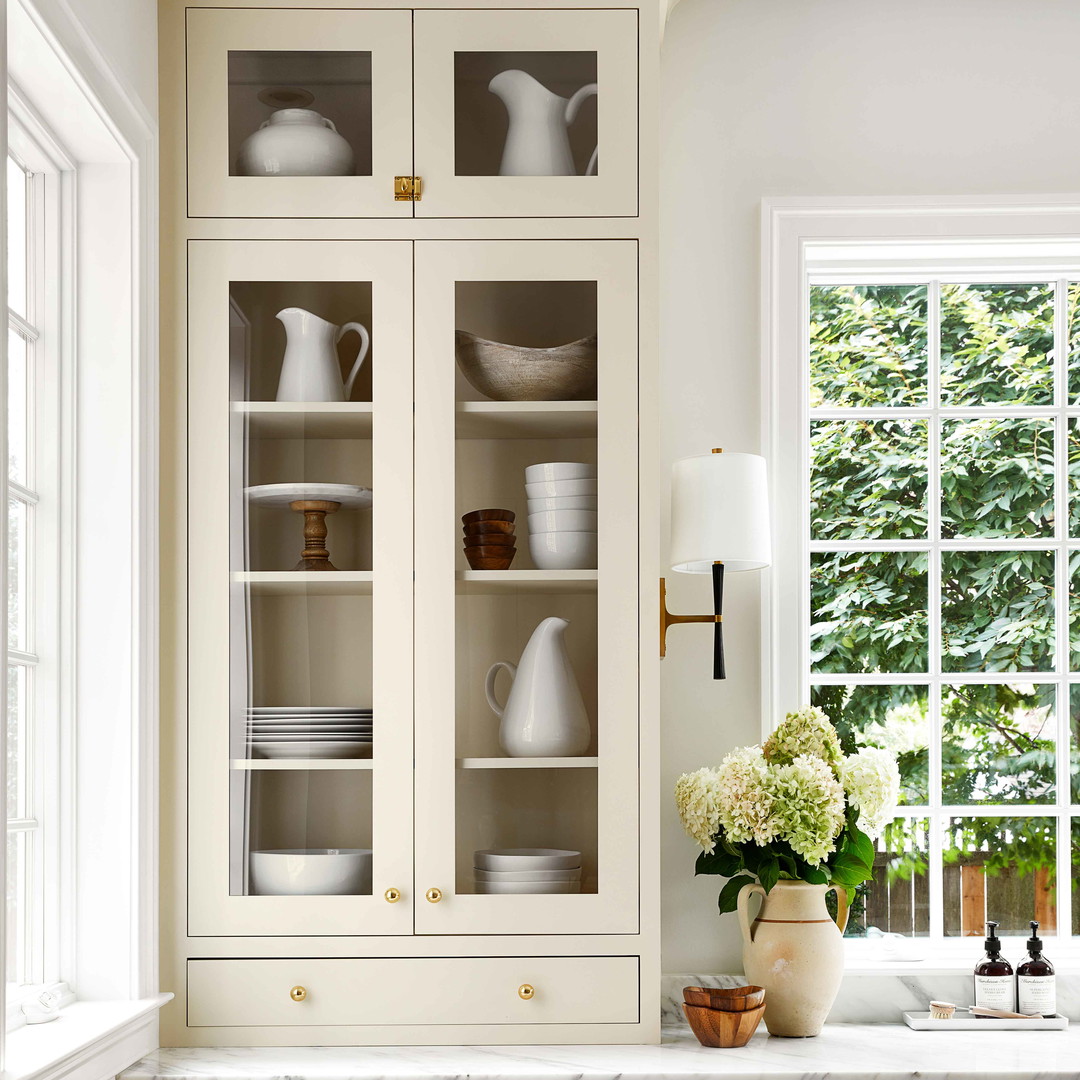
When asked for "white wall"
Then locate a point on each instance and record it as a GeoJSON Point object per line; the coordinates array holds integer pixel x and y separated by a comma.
{"type": "Point", "coordinates": [810, 97]}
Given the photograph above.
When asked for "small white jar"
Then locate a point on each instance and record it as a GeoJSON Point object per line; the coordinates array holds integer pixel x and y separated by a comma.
{"type": "Point", "coordinates": [295, 142]}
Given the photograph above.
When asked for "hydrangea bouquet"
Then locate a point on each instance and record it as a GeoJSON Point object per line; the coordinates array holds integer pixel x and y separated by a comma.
{"type": "Point", "coordinates": [796, 808]}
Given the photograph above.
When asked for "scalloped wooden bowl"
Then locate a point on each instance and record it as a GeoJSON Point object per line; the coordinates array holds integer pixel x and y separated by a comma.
{"type": "Point", "coordinates": [726, 1030]}
{"type": "Point", "coordinates": [729, 999]}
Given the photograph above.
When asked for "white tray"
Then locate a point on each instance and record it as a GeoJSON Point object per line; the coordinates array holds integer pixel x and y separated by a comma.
{"type": "Point", "coordinates": [920, 1021]}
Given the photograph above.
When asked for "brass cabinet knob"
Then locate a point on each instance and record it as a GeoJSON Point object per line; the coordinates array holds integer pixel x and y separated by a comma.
{"type": "Point", "coordinates": [526, 992]}
{"type": "Point", "coordinates": [392, 896]}
{"type": "Point", "coordinates": [298, 993]}
{"type": "Point", "coordinates": [433, 895]}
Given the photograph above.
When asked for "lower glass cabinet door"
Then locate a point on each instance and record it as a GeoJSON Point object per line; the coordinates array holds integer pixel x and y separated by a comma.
{"type": "Point", "coordinates": [527, 575]}
{"type": "Point", "coordinates": [300, 682]}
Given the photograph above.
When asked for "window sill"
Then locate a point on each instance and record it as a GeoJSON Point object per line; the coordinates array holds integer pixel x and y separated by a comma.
{"type": "Point", "coordinates": [91, 1040]}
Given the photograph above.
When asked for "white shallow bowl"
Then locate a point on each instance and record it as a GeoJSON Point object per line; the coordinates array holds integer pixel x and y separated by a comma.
{"type": "Point", "coordinates": [311, 872]}
{"type": "Point", "coordinates": [528, 875]}
{"type": "Point", "coordinates": [531, 858]}
{"type": "Point", "coordinates": [518, 887]}
{"type": "Point", "coordinates": [559, 489]}
{"type": "Point", "coordinates": [278, 749]}
{"type": "Point", "coordinates": [564, 502]}
{"type": "Point", "coordinates": [559, 470]}
{"type": "Point", "coordinates": [563, 550]}
{"type": "Point", "coordinates": [563, 521]}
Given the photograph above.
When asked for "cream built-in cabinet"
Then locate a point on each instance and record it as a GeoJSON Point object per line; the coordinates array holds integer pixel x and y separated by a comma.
{"type": "Point", "coordinates": [390, 649]}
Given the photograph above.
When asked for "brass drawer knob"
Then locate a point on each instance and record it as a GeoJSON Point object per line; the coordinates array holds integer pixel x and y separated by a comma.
{"type": "Point", "coordinates": [392, 896]}
{"type": "Point", "coordinates": [298, 993]}
{"type": "Point", "coordinates": [433, 895]}
{"type": "Point", "coordinates": [526, 992]}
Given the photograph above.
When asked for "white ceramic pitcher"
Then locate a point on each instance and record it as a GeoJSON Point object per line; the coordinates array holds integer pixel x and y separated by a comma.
{"type": "Point", "coordinates": [537, 143]}
{"type": "Point", "coordinates": [310, 370]}
{"type": "Point", "coordinates": [544, 715]}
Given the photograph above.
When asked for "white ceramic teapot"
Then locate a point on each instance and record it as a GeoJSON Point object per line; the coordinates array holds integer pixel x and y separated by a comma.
{"type": "Point", "coordinates": [295, 142]}
{"type": "Point", "coordinates": [537, 143]}
{"type": "Point", "coordinates": [310, 370]}
{"type": "Point", "coordinates": [544, 715]}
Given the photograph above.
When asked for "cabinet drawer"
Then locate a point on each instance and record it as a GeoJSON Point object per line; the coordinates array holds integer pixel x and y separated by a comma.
{"type": "Point", "coordinates": [483, 990]}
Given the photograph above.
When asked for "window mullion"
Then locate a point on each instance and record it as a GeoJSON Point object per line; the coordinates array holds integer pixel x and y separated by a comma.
{"type": "Point", "coordinates": [1063, 852]}
{"type": "Point", "coordinates": [933, 515]}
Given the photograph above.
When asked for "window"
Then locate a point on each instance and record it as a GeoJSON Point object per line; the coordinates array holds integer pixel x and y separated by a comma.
{"type": "Point", "coordinates": [940, 579]}
{"type": "Point", "coordinates": [34, 614]}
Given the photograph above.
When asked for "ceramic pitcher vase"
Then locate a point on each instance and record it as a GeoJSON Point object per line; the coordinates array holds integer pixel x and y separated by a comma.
{"type": "Point", "coordinates": [310, 370]}
{"type": "Point", "coordinates": [537, 142]}
{"type": "Point", "coordinates": [544, 716]}
{"type": "Point", "coordinates": [796, 952]}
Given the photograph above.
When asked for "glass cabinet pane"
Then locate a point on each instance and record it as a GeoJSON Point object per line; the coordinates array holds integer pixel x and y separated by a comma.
{"type": "Point", "coordinates": [298, 113]}
{"type": "Point", "coordinates": [294, 427]}
{"type": "Point", "coordinates": [519, 565]}
{"type": "Point", "coordinates": [526, 113]}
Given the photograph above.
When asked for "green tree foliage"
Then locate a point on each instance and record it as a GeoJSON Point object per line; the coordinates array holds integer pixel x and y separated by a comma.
{"type": "Point", "coordinates": [869, 609]}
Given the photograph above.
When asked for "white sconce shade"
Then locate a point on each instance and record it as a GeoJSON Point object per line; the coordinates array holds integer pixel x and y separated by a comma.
{"type": "Point", "coordinates": [720, 513]}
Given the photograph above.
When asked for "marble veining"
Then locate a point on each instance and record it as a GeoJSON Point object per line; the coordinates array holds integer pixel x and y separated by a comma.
{"type": "Point", "coordinates": [841, 1052]}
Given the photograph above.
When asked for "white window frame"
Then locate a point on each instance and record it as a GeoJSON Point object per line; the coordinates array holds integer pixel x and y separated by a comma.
{"type": "Point", "coordinates": [50, 243]}
{"type": "Point", "coordinates": [883, 240]}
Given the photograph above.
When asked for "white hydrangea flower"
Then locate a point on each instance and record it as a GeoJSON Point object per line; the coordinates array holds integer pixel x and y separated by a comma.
{"type": "Point", "coordinates": [871, 779]}
{"type": "Point", "coordinates": [745, 799]}
{"type": "Point", "coordinates": [697, 795]}
{"type": "Point", "coordinates": [806, 731]}
{"type": "Point", "coordinates": [808, 806]}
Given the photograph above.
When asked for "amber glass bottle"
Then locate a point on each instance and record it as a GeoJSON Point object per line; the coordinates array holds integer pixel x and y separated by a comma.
{"type": "Point", "coordinates": [994, 981]}
{"type": "Point", "coordinates": [1035, 985]}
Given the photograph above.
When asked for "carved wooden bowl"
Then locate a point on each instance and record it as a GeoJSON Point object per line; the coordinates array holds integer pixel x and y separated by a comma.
{"type": "Point", "coordinates": [487, 515]}
{"type": "Point", "coordinates": [730, 999]}
{"type": "Point", "coordinates": [715, 1027]}
{"type": "Point", "coordinates": [505, 372]}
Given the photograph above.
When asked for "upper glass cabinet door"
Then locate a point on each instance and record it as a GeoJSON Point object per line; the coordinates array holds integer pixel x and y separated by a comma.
{"type": "Point", "coordinates": [300, 683]}
{"type": "Point", "coordinates": [526, 113]}
{"type": "Point", "coordinates": [298, 113]}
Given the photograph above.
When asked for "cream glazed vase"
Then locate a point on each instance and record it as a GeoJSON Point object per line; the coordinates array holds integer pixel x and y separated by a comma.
{"type": "Point", "coordinates": [796, 952]}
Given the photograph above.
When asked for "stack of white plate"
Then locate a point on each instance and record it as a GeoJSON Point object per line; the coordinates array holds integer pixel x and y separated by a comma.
{"type": "Point", "coordinates": [527, 870]}
{"type": "Point", "coordinates": [562, 515]}
{"type": "Point", "coordinates": [309, 731]}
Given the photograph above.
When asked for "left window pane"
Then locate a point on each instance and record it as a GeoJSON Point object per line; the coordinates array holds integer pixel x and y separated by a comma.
{"type": "Point", "coordinates": [16, 228]}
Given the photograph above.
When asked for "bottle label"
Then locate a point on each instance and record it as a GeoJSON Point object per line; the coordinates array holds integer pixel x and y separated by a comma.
{"type": "Point", "coordinates": [1037, 994]}
{"type": "Point", "coordinates": [995, 992]}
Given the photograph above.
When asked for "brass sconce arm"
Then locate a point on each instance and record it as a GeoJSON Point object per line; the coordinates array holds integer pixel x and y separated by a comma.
{"type": "Point", "coordinates": [717, 619]}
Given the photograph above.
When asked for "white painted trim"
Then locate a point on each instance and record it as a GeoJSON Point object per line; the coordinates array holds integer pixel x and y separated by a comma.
{"type": "Point", "coordinates": [788, 227]}
{"type": "Point", "coordinates": [125, 134]}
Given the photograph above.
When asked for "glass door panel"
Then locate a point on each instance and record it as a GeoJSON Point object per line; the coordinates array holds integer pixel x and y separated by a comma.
{"type": "Point", "coordinates": [300, 406]}
{"type": "Point", "coordinates": [526, 113]}
{"type": "Point", "coordinates": [298, 113]}
{"type": "Point", "coordinates": [545, 337]}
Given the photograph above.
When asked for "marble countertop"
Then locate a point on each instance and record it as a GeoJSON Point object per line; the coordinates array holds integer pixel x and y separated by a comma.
{"type": "Point", "coordinates": [849, 1051]}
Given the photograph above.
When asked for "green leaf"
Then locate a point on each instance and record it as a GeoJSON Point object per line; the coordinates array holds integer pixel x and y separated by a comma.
{"type": "Point", "coordinates": [861, 846]}
{"type": "Point", "coordinates": [769, 872]}
{"type": "Point", "coordinates": [848, 870]}
{"type": "Point", "coordinates": [729, 894]}
{"type": "Point", "coordinates": [718, 862]}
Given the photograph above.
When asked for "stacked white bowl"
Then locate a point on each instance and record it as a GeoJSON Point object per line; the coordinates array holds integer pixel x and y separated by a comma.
{"type": "Point", "coordinates": [562, 515]}
{"type": "Point", "coordinates": [527, 870]}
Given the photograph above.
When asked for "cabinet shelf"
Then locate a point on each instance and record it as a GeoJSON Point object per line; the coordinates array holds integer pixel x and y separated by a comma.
{"type": "Point", "coordinates": [306, 582]}
{"type": "Point", "coordinates": [551, 582]}
{"type": "Point", "coordinates": [306, 419]}
{"type": "Point", "coordinates": [528, 763]}
{"type": "Point", "coordinates": [306, 764]}
{"type": "Point", "coordinates": [526, 419]}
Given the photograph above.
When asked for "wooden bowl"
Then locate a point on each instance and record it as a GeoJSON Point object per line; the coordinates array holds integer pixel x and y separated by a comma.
{"type": "Point", "coordinates": [715, 1027]}
{"type": "Point", "coordinates": [490, 562]}
{"type": "Point", "coordinates": [490, 540]}
{"type": "Point", "coordinates": [731, 999]}
{"type": "Point", "coordinates": [474, 527]}
{"type": "Point", "coordinates": [487, 515]}
{"type": "Point", "coordinates": [495, 551]}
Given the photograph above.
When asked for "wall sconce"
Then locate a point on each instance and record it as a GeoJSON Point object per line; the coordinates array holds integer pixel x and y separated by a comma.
{"type": "Point", "coordinates": [719, 521]}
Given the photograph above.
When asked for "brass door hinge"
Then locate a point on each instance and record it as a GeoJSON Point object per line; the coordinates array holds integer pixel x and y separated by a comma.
{"type": "Point", "coordinates": [408, 188]}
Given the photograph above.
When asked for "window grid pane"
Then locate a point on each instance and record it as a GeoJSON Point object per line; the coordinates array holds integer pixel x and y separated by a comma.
{"type": "Point", "coordinates": [995, 486]}
{"type": "Point", "coordinates": [17, 209]}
